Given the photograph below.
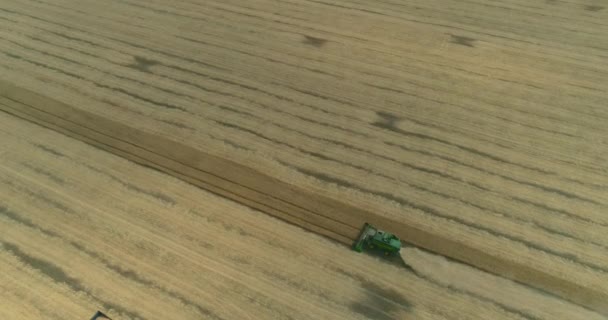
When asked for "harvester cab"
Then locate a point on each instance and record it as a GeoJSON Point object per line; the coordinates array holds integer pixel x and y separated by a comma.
{"type": "Point", "coordinates": [371, 238]}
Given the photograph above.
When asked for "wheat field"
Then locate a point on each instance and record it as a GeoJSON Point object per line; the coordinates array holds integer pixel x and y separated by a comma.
{"type": "Point", "coordinates": [475, 129]}
{"type": "Point", "coordinates": [82, 230]}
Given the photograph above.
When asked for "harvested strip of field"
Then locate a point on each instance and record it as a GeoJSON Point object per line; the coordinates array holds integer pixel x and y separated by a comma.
{"type": "Point", "coordinates": [82, 230]}
{"type": "Point", "coordinates": [475, 129]}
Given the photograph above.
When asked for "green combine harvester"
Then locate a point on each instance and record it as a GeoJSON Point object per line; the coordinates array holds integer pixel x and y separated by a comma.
{"type": "Point", "coordinates": [378, 240]}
